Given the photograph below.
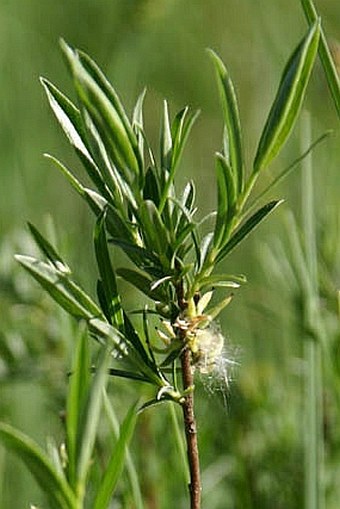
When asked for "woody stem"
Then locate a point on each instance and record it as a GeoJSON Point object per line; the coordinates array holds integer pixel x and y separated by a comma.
{"type": "Point", "coordinates": [191, 432]}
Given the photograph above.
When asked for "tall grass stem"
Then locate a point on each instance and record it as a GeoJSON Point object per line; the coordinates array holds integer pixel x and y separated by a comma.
{"type": "Point", "coordinates": [313, 442]}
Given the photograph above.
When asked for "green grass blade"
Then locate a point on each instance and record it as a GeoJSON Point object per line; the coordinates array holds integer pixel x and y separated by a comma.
{"type": "Point", "coordinates": [132, 473]}
{"type": "Point", "coordinates": [231, 119]}
{"type": "Point", "coordinates": [107, 274]}
{"type": "Point", "coordinates": [288, 100]}
{"type": "Point", "coordinates": [330, 70]}
{"type": "Point", "coordinates": [77, 393]}
{"type": "Point", "coordinates": [89, 419]}
{"type": "Point", "coordinates": [247, 227]}
{"type": "Point", "coordinates": [61, 288]}
{"type": "Point", "coordinates": [116, 463]}
{"type": "Point", "coordinates": [55, 487]}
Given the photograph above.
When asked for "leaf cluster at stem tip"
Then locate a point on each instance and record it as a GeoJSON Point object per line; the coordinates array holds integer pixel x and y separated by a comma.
{"type": "Point", "coordinates": [139, 209]}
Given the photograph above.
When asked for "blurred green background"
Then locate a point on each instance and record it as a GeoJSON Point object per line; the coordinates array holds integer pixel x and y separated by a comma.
{"type": "Point", "coordinates": [251, 445]}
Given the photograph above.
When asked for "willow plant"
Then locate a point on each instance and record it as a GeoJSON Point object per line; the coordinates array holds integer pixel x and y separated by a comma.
{"type": "Point", "coordinates": [140, 211]}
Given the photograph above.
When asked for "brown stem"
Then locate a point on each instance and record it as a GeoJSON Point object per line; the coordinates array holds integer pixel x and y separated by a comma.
{"type": "Point", "coordinates": [191, 432]}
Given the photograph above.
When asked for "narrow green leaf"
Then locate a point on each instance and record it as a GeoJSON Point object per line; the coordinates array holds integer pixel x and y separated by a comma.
{"type": "Point", "coordinates": [329, 67]}
{"type": "Point", "coordinates": [166, 139]}
{"type": "Point", "coordinates": [205, 247]}
{"type": "Point", "coordinates": [151, 187]}
{"type": "Point", "coordinates": [61, 288]}
{"type": "Point", "coordinates": [107, 274]}
{"type": "Point", "coordinates": [107, 117]}
{"type": "Point", "coordinates": [107, 334]}
{"type": "Point", "coordinates": [247, 227]}
{"type": "Point", "coordinates": [142, 282]}
{"type": "Point", "coordinates": [68, 174]}
{"type": "Point", "coordinates": [288, 100]}
{"type": "Point", "coordinates": [138, 345]}
{"type": "Point", "coordinates": [122, 373]}
{"type": "Point", "coordinates": [180, 131]}
{"type": "Point", "coordinates": [221, 280]}
{"type": "Point", "coordinates": [180, 243]}
{"type": "Point", "coordinates": [70, 119]}
{"type": "Point", "coordinates": [48, 250]}
{"type": "Point", "coordinates": [117, 226]}
{"type": "Point", "coordinates": [144, 259]}
{"type": "Point", "coordinates": [116, 463]}
{"type": "Point", "coordinates": [226, 199]}
{"type": "Point", "coordinates": [77, 394]}
{"type": "Point", "coordinates": [231, 120]}
{"type": "Point", "coordinates": [186, 205]}
{"type": "Point", "coordinates": [116, 189]}
{"type": "Point", "coordinates": [55, 487]}
{"type": "Point", "coordinates": [138, 123]}
{"type": "Point", "coordinates": [96, 202]}
{"type": "Point", "coordinates": [103, 83]}
{"type": "Point", "coordinates": [181, 128]}
{"type": "Point", "coordinates": [155, 233]}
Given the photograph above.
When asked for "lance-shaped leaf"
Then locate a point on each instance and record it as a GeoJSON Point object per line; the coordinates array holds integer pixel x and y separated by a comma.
{"type": "Point", "coordinates": [104, 113]}
{"type": "Point", "coordinates": [116, 462]}
{"type": "Point", "coordinates": [166, 140]}
{"type": "Point", "coordinates": [70, 119]}
{"type": "Point", "coordinates": [154, 231]}
{"type": "Point", "coordinates": [107, 334]}
{"type": "Point", "coordinates": [48, 250]}
{"type": "Point", "coordinates": [107, 274]}
{"type": "Point", "coordinates": [61, 288]}
{"type": "Point", "coordinates": [247, 227]}
{"type": "Point", "coordinates": [220, 280]}
{"type": "Point", "coordinates": [329, 67]}
{"type": "Point", "coordinates": [138, 123]}
{"type": "Point", "coordinates": [103, 83]}
{"type": "Point", "coordinates": [231, 120]}
{"type": "Point", "coordinates": [180, 131]}
{"type": "Point", "coordinates": [226, 199]}
{"type": "Point", "coordinates": [151, 186]}
{"type": "Point", "coordinates": [58, 492]}
{"type": "Point", "coordinates": [142, 282]}
{"type": "Point", "coordinates": [96, 201]}
{"type": "Point", "coordinates": [288, 100]}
